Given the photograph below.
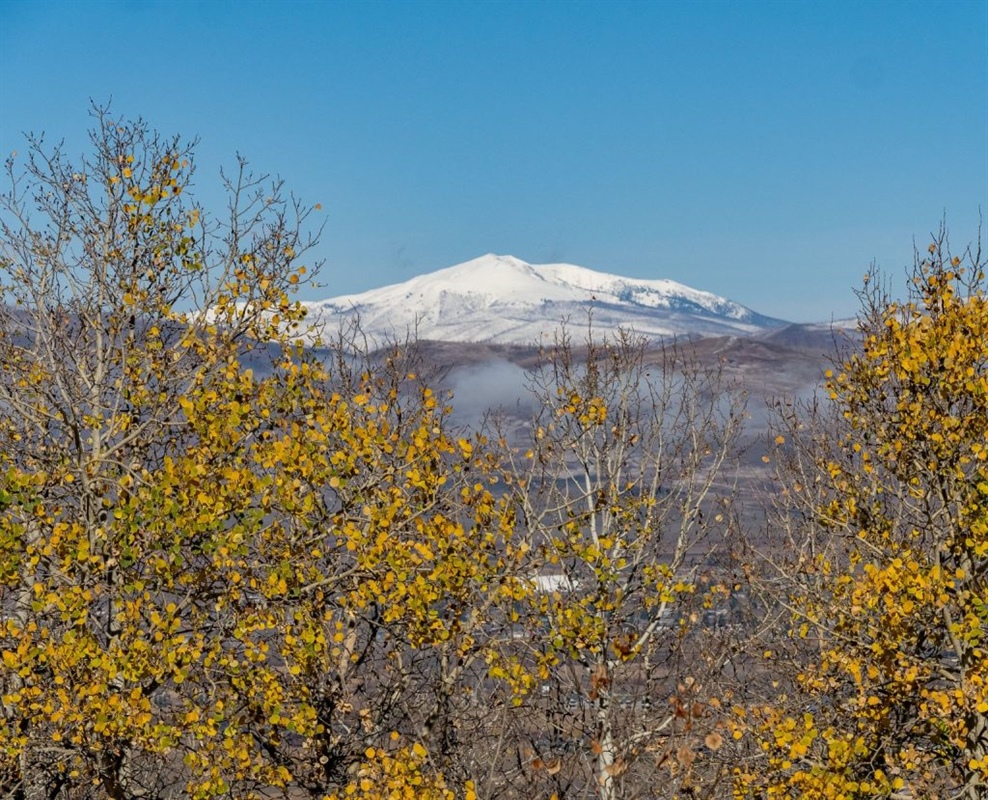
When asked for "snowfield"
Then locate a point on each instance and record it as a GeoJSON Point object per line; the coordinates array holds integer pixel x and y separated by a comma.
{"type": "Point", "coordinates": [504, 300]}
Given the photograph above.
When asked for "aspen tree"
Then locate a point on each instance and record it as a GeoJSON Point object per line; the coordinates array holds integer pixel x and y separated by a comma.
{"type": "Point", "coordinates": [885, 499]}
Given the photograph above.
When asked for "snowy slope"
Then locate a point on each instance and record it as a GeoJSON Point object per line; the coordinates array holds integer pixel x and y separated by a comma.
{"type": "Point", "coordinates": [503, 299]}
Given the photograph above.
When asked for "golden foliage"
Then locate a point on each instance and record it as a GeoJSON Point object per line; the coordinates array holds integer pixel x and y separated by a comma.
{"type": "Point", "coordinates": [891, 599]}
{"type": "Point", "coordinates": [209, 536]}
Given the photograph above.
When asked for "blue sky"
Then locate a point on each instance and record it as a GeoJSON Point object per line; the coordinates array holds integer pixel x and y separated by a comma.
{"type": "Point", "coordinates": [764, 151]}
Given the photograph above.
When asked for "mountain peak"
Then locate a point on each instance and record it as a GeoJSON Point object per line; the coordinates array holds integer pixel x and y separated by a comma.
{"type": "Point", "coordinates": [494, 259]}
{"type": "Point", "coordinates": [503, 299]}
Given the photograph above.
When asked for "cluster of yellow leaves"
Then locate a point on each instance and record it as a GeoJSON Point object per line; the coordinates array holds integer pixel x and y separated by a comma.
{"type": "Point", "coordinates": [589, 412]}
{"type": "Point", "coordinates": [400, 774]}
{"type": "Point", "coordinates": [817, 763]}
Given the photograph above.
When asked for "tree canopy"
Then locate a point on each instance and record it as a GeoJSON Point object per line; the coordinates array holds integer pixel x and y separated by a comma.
{"type": "Point", "coordinates": [886, 500]}
{"type": "Point", "coordinates": [238, 559]}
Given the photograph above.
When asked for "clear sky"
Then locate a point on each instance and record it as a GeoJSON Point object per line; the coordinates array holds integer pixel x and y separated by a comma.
{"type": "Point", "coordinates": [765, 151]}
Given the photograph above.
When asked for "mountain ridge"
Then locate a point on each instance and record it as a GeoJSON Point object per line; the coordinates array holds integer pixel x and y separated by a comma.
{"type": "Point", "coordinates": [503, 299]}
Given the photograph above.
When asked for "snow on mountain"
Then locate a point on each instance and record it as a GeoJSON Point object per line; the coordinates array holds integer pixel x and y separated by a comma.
{"type": "Point", "coordinates": [504, 300]}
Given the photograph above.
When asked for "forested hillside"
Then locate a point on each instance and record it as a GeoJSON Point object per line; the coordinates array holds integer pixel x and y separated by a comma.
{"type": "Point", "coordinates": [236, 565]}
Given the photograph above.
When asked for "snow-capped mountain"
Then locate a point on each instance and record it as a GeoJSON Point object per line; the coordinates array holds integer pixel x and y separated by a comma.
{"type": "Point", "coordinates": [504, 300]}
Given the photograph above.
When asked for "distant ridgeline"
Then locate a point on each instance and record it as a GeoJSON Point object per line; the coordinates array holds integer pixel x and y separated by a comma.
{"type": "Point", "coordinates": [504, 300]}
